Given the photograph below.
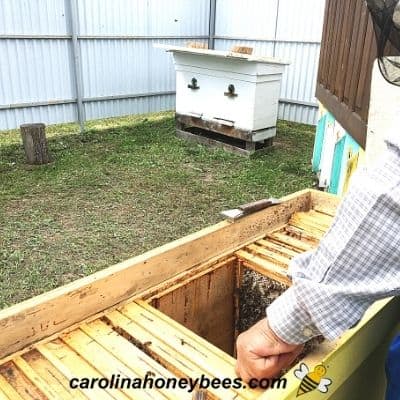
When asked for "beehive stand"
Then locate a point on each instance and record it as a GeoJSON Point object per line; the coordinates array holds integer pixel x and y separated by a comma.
{"type": "Point", "coordinates": [171, 330]}
{"type": "Point", "coordinates": [221, 135]}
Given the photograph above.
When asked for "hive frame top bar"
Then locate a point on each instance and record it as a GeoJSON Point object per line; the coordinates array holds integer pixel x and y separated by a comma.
{"type": "Point", "coordinates": [222, 54]}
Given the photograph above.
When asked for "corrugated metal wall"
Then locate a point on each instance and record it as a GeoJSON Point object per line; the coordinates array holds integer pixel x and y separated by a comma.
{"type": "Point", "coordinates": [288, 29]}
{"type": "Point", "coordinates": [58, 54]}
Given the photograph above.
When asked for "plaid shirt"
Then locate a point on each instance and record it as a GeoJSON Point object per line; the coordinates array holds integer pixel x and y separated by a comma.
{"type": "Point", "coordinates": [356, 263]}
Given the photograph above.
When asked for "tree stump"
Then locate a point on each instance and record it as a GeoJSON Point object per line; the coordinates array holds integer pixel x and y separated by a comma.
{"type": "Point", "coordinates": [35, 143]}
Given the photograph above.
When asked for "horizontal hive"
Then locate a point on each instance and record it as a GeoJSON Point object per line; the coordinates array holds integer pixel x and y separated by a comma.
{"type": "Point", "coordinates": [138, 338]}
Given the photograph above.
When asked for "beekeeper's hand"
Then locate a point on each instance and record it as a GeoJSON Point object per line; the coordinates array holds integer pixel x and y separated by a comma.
{"type": "Point", "coordinates": [262, 354]}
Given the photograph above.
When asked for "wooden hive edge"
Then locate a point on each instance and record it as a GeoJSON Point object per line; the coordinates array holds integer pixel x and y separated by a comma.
{"type": "Point", "coordinates": [44, 316]}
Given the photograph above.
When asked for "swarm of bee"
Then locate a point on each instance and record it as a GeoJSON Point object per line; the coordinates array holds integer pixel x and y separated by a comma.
{"type": "Point", "coordinates": [256, 293]}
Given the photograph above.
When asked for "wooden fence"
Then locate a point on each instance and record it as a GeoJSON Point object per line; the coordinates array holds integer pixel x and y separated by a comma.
{"type": "Point", "coordinates": [348, 52]}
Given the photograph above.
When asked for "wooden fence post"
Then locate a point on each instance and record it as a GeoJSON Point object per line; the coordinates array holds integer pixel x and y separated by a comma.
{"type": "Point", "coordinates": [35, 143]}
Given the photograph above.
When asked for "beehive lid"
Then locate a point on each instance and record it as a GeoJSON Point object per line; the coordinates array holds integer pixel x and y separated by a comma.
{"type": "Point", "coordinates": [222, 54]}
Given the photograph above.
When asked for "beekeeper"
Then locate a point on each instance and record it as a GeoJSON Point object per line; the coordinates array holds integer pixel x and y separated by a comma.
{"type": "Point", "coordinates": [356, 263]}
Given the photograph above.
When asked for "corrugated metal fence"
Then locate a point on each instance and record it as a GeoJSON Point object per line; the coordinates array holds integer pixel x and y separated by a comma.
{"type": "Point", "coordinates": [75, 60]}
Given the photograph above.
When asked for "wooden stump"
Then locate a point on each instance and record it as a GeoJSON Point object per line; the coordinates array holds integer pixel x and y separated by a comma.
{"type": "Point", "coordinates": [35, 143]}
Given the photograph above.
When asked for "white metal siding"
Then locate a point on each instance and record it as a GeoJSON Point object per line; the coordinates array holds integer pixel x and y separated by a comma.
{"type": "Point", "coordinates": [35, 70]}
{"type": "Point", "coordinates": [288, 29]}
{"type": "Point", "coordinates": [143, 17]}
{"type": "Point", "coordinates": [142, 105]}
{"type": "Point", "coordinates": [115, 43]}
{"type": "Point", "coordinates": [300, 20]}
{"type": "Point", "coordinates": [246, 18]}
{"type": "Point", "coordinates": [35, 17]}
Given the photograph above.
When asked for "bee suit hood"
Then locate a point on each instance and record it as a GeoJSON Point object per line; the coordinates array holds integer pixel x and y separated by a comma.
{"type": "Point", "coordinates": [386, 18]}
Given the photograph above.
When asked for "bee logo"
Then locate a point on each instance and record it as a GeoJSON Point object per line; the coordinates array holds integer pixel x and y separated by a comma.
{"type": "Point", "coordinates": [312, 380]}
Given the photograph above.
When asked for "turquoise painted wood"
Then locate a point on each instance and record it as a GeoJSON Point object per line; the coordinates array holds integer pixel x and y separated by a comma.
{"type": "Point", "coordinates": [345, 148]}
{"type": "Point", "coordinates": [319, 143]}
{"type": "Point", "coordinates": [337, 166]}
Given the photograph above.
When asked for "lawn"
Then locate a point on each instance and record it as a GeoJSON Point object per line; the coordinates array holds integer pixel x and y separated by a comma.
{"type": "Point", "coordinates": [125, 186]}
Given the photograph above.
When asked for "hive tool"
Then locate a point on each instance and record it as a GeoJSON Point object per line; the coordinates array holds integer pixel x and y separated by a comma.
{"type": "Point", "coordinates": [249, 208]}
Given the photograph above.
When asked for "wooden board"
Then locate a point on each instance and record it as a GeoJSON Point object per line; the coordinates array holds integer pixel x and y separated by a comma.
{"type": "Point", "coordinates": [191, 305]}
{"type": "Point", "coordinates": [264, 267]}
{"type": "Point", "coordinates": [321, 201]}
{"type": "Point", "coordinates": [20, 384]}
{"type": "Point", "coordinates": [212, 142]}
{"type": "Point", "coordinates": [348, 53]}
{"type": "Point", "coordinates": [186, 120]}
{"type": "Point", "coordinates": [54, 378]}
{"type": "Point", "coordinates": [130, 355]}
{"type": "Point", "coordinates": [71, 365]}
{"type": "Point", "coordinates": [271, 255]}
{"type": "Point", "coordinates": [177, 347]}
{"type": "Point", "coordinates": [7, 388]}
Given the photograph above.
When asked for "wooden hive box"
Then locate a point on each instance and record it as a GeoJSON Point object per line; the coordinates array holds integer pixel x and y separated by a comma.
{"type": "Point", "coordinates": [172, 312]}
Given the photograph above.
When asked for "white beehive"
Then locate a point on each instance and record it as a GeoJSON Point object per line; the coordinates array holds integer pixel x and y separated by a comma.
{"type": "Point", "coordinates": [232, 89]}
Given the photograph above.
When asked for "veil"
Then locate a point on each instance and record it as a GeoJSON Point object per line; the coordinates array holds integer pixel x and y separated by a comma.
{"type": "Point", "coordinates": [386, 18]}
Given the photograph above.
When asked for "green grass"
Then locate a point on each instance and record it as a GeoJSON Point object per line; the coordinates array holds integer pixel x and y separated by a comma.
{"type": "Point", "coordinates": [124, 187]}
